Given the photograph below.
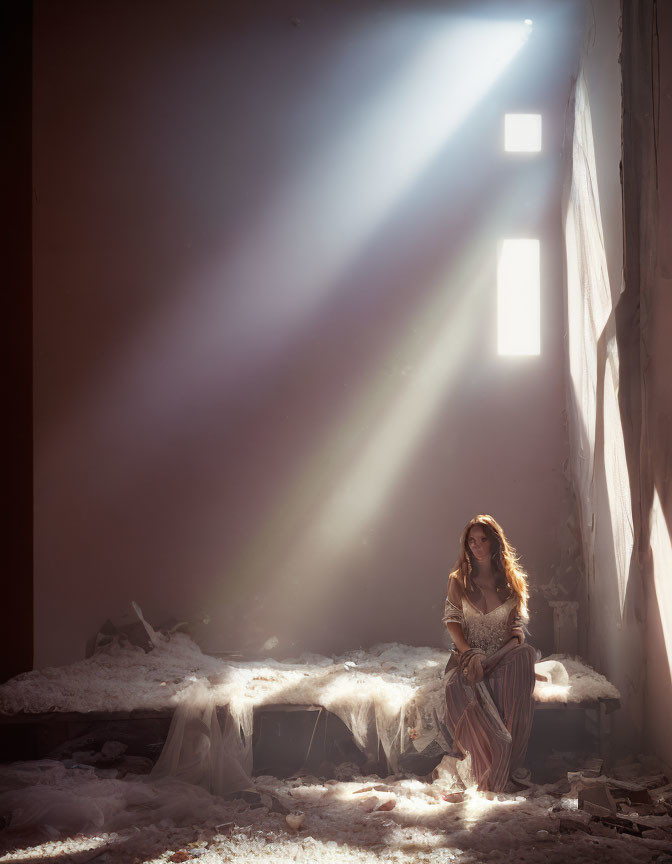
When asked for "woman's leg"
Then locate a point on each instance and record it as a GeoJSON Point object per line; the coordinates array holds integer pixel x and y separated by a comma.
{"type": "Point", "coordinates": [512, 685]}
{"type": "Point", "coordinates": [473, 719]}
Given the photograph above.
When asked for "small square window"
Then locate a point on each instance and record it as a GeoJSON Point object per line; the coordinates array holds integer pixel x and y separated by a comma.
{"type": "Point", "coordinates": [522, 133]}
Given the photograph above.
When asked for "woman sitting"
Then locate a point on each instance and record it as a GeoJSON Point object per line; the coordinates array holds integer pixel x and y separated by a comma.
{"type": "Point", "coordinates": [489, 682]}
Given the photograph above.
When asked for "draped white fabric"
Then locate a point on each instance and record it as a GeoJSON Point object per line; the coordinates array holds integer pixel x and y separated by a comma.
{"type": "Point", "coordinates": [599, 465]}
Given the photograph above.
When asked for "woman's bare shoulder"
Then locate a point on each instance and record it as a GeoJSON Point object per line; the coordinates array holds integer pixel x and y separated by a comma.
{"type": "Point", "coordinates": [455, 589]}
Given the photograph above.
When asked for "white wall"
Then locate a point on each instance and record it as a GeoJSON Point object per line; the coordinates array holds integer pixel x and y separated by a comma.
{"type": "Point", "coordinates": [620, 405]}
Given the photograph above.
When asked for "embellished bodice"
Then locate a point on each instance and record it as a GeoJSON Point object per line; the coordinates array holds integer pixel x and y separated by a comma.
{"type": "Point", "coordinates": [486, 630]}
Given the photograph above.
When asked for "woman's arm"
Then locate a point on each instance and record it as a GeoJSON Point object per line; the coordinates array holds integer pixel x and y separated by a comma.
{"type": "Point", "coordinates": [502, 651]}
{"type": "Point", "coordinates": [457, 635]}
{"type": "Point", "coordinates": [452, 615]}
{"type": "Point", "coordinates": [454, 621]}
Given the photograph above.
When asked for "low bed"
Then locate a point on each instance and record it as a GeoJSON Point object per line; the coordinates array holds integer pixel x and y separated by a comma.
{"type": "Point", "coordinates": [388, 696]}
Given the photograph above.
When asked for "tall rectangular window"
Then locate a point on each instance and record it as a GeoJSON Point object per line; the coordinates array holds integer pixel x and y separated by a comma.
{"type": "Point", "coordinates": [518, 303]}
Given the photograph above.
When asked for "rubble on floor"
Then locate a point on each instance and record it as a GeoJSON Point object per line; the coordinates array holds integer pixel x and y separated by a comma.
{"type": "Point", "coordinates": [351, 818]}
{"type": "Point", "coordinates": [626, 804]}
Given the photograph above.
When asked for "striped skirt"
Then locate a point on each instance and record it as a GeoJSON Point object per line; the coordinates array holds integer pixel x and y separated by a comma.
{"type": "Point", "coordinates": [490, 722]}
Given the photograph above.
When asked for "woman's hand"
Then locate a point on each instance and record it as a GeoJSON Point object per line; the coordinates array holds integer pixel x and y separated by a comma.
{"type": "Point", "coordinates": [494, 659]}
{"type": "Point", "coordinates": [474, 670]}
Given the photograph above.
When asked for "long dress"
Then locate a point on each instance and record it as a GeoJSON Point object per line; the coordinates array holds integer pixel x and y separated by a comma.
{"type": "Point", "coordinates": [490, 722]}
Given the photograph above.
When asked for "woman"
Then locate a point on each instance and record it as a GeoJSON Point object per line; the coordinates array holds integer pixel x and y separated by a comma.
{"type": "Point", "coordinates": [490, 679]}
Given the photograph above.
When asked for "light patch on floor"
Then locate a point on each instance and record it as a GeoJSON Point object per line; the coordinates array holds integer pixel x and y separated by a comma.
{"type": "Point", "coordinates": [363, 819]}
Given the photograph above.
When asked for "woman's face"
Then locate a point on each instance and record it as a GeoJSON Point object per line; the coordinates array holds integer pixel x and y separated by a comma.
{"type": "Point", "coordinates": [479, 543]}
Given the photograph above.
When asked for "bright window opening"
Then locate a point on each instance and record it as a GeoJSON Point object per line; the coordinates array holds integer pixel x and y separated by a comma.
{"type": "Point", "coordinates": [522, 133]}
{"type": "Point", "coordinates": [518, 289]}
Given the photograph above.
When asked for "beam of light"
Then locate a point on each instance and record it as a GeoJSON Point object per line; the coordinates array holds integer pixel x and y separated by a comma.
{"type": "Point", "coordinates": [661, 549]}
{"type": "Point", "coordinates": [346, 512]}
{"type": "Point", "coordinates": [246, 305]}
{"type": "Point", "coordinates": [518, 305]}
{"type": "Point", "coordinates": [343, 485]}
{"type": "Point", "coordinates": [248, 302]}
{"type": "Point", "coordinates": [522, 133]}
{"type": "Point", "coordinates": [359, 465]}
{"type": "Point", "coordinates": [327, 509]}
{"type": "Point", "coordinates": [328, 506]}
{"type": "Point", "coordinates": [370, 480]}
{"type": "Point", "coordinates": [386, 143]}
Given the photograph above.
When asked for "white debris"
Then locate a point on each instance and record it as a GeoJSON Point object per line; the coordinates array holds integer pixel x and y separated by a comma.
{"type": "Point", "coordinates": [391, 677]}
{"type": "Point", "coordinates": [388, 697]}
{"type": "Point", "coordinates": [552, 672]}
{"type": "Point", "coordinates": [294, 820]}
{"type": "Point", "coordinates": [169, 822]}
{"type": "Point", "coordinates": [583, 683]}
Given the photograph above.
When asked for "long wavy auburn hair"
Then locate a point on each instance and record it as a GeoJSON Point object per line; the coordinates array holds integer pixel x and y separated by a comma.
{"type": "Point", "coordinates": [508, 571]}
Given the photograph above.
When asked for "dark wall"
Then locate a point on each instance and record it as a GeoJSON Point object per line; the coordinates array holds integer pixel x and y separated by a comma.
{"type": "Point", "coordinates": [267, 392]}
{"type": "Point", "coordinates": [16, 633]}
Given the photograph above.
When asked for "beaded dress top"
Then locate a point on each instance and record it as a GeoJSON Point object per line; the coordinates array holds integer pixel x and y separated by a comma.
{"type": "Point", "coordinates": [486, 630]}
